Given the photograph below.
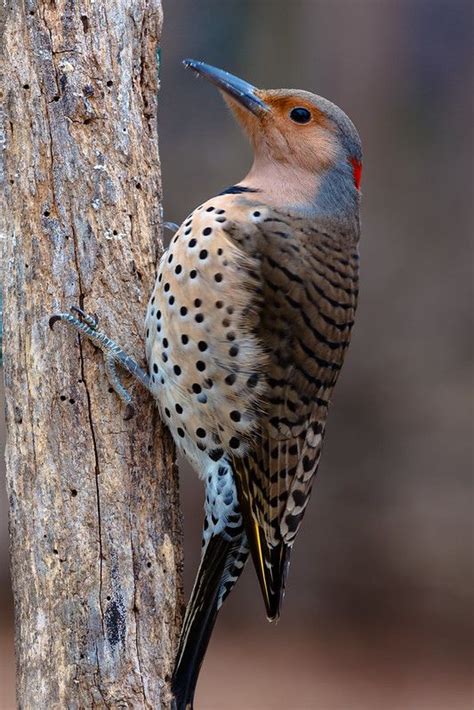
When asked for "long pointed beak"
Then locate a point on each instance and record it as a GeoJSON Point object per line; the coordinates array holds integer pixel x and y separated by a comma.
{"type": "Point", "coordinates": [240, 90]}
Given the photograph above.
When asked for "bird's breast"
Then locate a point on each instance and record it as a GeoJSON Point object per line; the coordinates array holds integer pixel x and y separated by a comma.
{"type": "Point", "coordinates": [205, 358]}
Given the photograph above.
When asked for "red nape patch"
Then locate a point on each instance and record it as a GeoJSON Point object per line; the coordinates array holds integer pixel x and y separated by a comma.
{"type": "Point", "coordinates": [356, 171]}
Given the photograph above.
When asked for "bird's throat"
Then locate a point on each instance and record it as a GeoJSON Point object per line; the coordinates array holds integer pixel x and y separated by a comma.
{"type": "Point", "coordinates": [286, 188]}
{"type": "Point", "coordinates": [326, 198]}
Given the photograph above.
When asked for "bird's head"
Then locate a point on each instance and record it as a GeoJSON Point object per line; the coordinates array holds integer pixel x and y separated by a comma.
{"type": "Point", "coordinates": [307, 152]}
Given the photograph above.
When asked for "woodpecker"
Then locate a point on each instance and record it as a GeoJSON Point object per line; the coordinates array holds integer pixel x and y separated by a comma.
{"type": "Point", "coordinates": [246, 333]}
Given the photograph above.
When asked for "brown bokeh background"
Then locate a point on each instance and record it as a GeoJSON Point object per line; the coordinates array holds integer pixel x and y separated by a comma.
{"type": "Point", "coordinates": [378, 611]}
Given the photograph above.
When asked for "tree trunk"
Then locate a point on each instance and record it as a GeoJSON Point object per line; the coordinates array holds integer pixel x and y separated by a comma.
{"type": "Point", "coordinates": [94, 521]}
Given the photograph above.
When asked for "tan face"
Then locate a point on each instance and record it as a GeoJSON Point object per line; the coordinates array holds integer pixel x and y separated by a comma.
{"type": "Point", "coordinates": [293, 131]}
{"type": "Point", "coordinates": [305, 147]}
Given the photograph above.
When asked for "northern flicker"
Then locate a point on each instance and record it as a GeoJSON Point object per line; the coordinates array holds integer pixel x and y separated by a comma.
{"type": "Point", "coordinates": [246, 332]}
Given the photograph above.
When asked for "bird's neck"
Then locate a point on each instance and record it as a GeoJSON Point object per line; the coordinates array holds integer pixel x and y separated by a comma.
{"type": "Point", "coordinates": [328, 199]}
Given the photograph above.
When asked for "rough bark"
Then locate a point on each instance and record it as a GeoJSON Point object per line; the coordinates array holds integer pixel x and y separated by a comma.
{"type": "Point", "coordinates": [95, 529]}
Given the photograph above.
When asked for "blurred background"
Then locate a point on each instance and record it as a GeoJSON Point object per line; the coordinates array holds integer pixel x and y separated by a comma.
{"type": "Point", "coordinates": [378, 613]}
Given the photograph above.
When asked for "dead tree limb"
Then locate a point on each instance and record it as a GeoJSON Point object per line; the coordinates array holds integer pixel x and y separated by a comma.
{"type": "Point", "coordinates": [95, 528]}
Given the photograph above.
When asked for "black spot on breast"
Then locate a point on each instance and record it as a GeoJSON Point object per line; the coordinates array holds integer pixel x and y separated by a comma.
{"type": "Point", "coordinates": [235, 416]}
{"type": "Point", "coordinates": [252, 380]}
{"type": "Point", "coordinates": [210, 209]}
{"type": "Point", "coordinates": [183, 311]}
{"type": "Point", "coordinates": [215, 454]}
{"type": "Point", "coordinates": [202, 345]}
{"type": "Point", "coordinates": [201, 433]}
{"type": "Point", "coordinates": [230, 379]}
{"type": "Point", "coordinates": [155, 368]}
{"type": "Point", "coordinates": [207, 231]}
{"type": "Point", "coordinates": [197, 302]}
{"type": "Point", "coordinates": [178, 269]}
{"type": "Point", "coordinates": [192, 242]}
{"type": "Point", "coordinates": [192, 274]}
{"type": "Point", "coordinates": [218, 278]}
{"type": "Point", "coordinates": [234, 350]}
{"type": "Point", "coordinates": [184, 339]}
{"type": "Point", "coordinates": [200, 365]}
{"type": "Point", "coordinates": [177, 370]}
{"type": "Point", "coordinates": [203, 254]}
{"type": "Point", "coordinates": [234, 443]}
{"type": "Point", "coordinates": [178, 408]}
{"type": "Point", "coordinates": [196, 388]}
{"type": "Point", "coordinates": [199, 318]}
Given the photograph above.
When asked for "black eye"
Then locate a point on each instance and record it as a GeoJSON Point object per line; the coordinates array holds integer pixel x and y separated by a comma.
{"type": "Point", "coordinates": [300, 115]}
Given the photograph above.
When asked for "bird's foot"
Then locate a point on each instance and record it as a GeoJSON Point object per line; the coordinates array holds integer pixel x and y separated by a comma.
{"type": "Point", "coordinates": [87, 324]}
{"type": "Point", "coordinates": [171, 226]}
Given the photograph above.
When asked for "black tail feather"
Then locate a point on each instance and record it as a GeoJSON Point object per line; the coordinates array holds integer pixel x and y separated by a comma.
{"type": "Point", "coordinates": [199, 619]}
{"type": "Point", "coordinates": [271, 564]}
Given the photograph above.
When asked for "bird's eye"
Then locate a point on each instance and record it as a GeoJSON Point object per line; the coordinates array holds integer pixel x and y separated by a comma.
{"type": "Point", "coordinates": [300, 115]}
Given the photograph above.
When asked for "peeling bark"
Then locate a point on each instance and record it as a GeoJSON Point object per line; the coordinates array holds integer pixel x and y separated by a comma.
{"type": "Point", "coordinates": [94, 522]}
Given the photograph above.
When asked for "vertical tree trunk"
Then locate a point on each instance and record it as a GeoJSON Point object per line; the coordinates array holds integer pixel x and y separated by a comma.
{"type": "Point", "coordinates": [95, 529]}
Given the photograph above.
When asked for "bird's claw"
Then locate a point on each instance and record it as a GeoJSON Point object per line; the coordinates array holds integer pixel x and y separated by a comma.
{"type": "Point", "coordinates": [87, 324]}
{"type": "Point", "coordinates": [90, 319]}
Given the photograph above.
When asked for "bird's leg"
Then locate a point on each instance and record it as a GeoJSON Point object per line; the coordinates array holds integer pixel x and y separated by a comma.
{"type": "Point", "coordinates": [87, 325]}
{"type": "Point", "coordinates": [171, 226]}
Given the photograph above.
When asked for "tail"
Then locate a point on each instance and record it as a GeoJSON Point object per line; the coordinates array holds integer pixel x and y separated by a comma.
{"type": "Point", "coordinates": [271, 558]}
{"type": "Point", "coordinates": [271, 564]}
{"type": "Point", "coordinates": [221, 565]}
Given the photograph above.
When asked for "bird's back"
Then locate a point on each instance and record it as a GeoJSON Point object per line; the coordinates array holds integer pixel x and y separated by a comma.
{"type": "Point", "coordinates": [246, 334]}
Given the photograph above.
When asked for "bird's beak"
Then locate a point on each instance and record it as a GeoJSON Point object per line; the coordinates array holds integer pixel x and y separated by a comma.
{"type": "Point", "coordinates": [241, 91]}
